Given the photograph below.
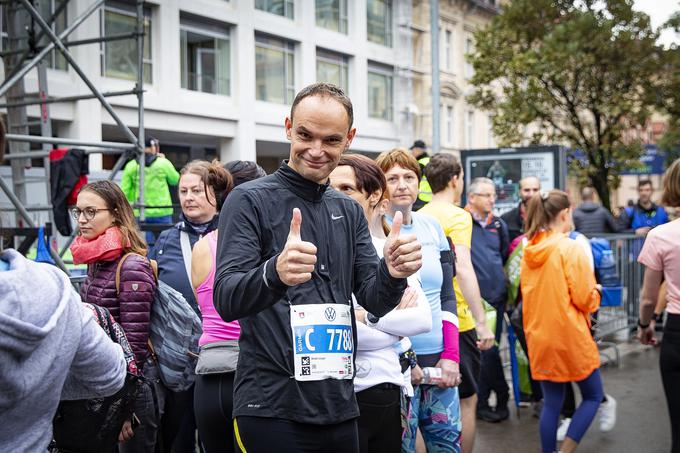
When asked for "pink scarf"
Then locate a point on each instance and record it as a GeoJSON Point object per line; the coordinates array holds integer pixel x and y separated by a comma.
{"type": "Point", "coordinates": [105, 247]}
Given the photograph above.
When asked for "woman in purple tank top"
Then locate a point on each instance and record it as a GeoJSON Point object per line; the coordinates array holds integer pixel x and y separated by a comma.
{"type": "Point", "coordinates": [213, 391]}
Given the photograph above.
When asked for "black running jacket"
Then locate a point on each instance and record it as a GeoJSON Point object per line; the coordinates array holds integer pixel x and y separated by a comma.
{"type": "Point", "coordinates": [253, 229]}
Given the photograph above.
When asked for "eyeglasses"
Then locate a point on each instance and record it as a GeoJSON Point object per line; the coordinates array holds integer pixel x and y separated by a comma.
{"type": "Point", "coordinates": [89, 213]}
{"type": "Point", "coordinates": [492, 196]}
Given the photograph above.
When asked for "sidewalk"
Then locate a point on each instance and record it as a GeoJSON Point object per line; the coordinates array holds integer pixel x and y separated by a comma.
{"type": "Point", "coordinates": [643, 425]}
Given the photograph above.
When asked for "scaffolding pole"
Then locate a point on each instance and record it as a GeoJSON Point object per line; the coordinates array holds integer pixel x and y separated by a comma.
{"type": "Point", "coordinates": [27, 218]}
{"type": "Point", "coordinates": [27, 52]}
{"type": "Point", "coordinates": [79, 97]}
{"type": "Point", "coordinates": [24, 69]}
{"type": "Point", "coordinates": [140, 98]}
{"type": "Point", "coordinates": [67, 55]}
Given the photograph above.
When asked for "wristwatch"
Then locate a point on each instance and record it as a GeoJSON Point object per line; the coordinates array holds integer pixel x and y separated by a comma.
{"type": "Point", "coordinates": [371, 319]}
{"type": "Point", "coordinates": [642, 326]}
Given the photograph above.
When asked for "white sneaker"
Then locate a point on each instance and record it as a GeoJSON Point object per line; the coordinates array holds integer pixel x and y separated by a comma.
{"type": "Point", "coordinates": [562, 429]}
{"type": "Point", "coordinates": [608, 414]}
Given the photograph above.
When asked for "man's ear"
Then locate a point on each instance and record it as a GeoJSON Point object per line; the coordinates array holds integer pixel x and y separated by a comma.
{"type": "Point", "coordinates": [454, 181]}
{"type": "Point", "coordinates": [288, 124]}
{"type": "Point", "coordinates": [350, 137]}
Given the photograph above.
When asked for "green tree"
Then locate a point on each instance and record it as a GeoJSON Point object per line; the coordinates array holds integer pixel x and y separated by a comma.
{"type": "Point", "coordinates": [579, 73]}
{"type": "Point", "coordinates": [669, 94]}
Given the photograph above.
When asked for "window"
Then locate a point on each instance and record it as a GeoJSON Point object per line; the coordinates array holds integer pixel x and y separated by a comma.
{"type": "Point", "coordinates": [332, 14]}
{"type": "Point", "coordinates": [448, 124]}
{"type": "Point", "coordinates": [205, 55]}
{"type": "Point", "coordinates": [469, 129]}
{"type": "Point", "coordinates": [46, 9]}
{"type": "Point", "coordinates": [119, 58]}
{"type": "Point", "coordinates": [274, 69]}
{"type": "Point", "coordinates": [332, 67]}
{"type": "Point", "coordinates": [469, 49]}
{"type": "Point", "coordinates": [380, 91]}
{"type": "Point", "coordinates": [491, 141]}
{"type": "Point", "coordinates": [379, 21]}
{"type": "Point", "coordinates": [448, 50]}
{"type": "Point", "coordinates": [279, 7]}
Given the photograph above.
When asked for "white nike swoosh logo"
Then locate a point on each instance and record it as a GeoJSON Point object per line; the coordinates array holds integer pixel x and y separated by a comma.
{"type": "Point", "coordinates": [334, 217]}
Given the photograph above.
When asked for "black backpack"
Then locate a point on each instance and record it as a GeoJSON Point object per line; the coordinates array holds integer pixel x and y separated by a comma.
{"type": "Point", "coordinates": [93, 425]}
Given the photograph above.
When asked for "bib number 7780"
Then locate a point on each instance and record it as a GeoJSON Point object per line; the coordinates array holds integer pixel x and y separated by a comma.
{"type": "Point", "coordinates": [323, 343]}
{"type": "Point", "coordinates": [344, 339]}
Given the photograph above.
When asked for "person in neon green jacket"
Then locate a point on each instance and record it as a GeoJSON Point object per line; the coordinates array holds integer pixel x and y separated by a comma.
{"type": "Point", "coordinates": [159, 174]}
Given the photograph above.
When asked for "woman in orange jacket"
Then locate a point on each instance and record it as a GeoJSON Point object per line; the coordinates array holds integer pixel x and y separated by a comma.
{"type": "Point", "coordinates": [560, 293]}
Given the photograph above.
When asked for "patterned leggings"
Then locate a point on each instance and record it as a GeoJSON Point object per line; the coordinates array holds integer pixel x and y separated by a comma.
{"type": "Point", "coordinates": [437, 413]}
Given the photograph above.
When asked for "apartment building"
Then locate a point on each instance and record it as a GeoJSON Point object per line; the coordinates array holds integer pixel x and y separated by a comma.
{"type": "Point", "coordinates": [219, 76]}
{"type": "Point", "coordinates": [462, 126]}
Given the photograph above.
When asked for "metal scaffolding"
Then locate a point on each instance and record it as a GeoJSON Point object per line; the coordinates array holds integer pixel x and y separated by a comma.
{"type": "Point", "coordinates": [19, 61]}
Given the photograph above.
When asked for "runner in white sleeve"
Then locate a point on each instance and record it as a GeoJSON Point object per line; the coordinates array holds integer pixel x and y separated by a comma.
{"type": "Point", "coordinates": [379, 377]}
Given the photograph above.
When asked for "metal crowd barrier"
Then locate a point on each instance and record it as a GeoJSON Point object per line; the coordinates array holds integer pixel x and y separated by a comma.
{"type": "Point", "coordinates": [615, 323]}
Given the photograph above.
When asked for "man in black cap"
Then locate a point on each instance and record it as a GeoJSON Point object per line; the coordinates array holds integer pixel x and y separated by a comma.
{"type": "Point", "coordinates": [419, 151]}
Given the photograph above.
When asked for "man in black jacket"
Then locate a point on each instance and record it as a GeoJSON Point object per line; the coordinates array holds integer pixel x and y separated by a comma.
{"type": "Point", "coordinates": [591, 218]}
{"type": "Point", "coordinates": [514, 218]}
{"type": "Point", "coordinates": [291, 252]}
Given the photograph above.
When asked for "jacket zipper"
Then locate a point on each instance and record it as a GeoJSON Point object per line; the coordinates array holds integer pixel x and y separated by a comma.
{"type": "Point", "coordinates": [95, 269]}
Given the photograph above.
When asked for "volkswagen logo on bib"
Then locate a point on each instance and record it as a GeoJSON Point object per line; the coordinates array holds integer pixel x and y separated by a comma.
{"type": "Point", "coordinates": [330, 313]}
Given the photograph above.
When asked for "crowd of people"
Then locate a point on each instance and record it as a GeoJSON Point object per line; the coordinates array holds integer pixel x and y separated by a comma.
{"type": "Point", "coordinates": [346, 304]}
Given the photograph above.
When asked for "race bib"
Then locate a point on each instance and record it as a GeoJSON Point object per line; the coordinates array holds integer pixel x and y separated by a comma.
{"type": "Point", "coordinates": [322, 341]}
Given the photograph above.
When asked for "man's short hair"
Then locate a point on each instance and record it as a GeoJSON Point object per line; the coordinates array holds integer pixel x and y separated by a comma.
{"type": "Point", "coordinates": [324, 89]}
{"type": "Point", "coordinates": [525, 179]}
{"type": "Point", "coordinates": [645, 182]}
{"type": "Point", "coordinates": [400, 157]}
{"type": "Point", "coordinates": [587, 193]}
{"type": "Point", "coordinates": [441, 168]}
{"type": "Point", "coordinates": [476, 183]}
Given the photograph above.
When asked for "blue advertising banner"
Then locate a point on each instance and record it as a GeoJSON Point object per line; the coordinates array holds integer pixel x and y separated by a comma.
{"type": "Point", "coordinates": [652, 161]}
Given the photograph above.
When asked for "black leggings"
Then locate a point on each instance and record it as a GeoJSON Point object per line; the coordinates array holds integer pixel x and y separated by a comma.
{"type": "Point", "coordinates": [670, 374]}
{"type": "Point", "coordinates": [265, 435]}
{"type": "Point", "coordinates": [380, 420]}
{"type": "Point", "coordinates": [213, 404]}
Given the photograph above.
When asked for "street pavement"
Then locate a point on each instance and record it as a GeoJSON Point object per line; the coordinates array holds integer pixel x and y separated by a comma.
{"type": "Point", "coordinates": [643, 425]}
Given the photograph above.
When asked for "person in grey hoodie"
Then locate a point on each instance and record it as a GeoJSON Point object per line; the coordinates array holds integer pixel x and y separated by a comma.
{"type": "Point", "coordinates": [592, 218]}
{"type": "Point", "coordinates": [51, 348]}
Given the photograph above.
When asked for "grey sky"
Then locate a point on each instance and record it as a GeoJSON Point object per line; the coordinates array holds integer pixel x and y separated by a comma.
{"type": "Point", "coordinates": [659, 11]}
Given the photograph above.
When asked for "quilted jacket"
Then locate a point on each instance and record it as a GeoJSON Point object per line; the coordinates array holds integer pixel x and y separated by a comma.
{"type": "Point", "coordinates": [131, 307]}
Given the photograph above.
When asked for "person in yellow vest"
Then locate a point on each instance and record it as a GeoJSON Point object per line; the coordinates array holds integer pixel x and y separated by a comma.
{"type": "Point", "coordinates": [419, 151]}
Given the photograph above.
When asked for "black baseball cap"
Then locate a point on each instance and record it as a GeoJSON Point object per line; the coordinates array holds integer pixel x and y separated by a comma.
{"type": "Point", "coordinates": [150, 141]}
{"type": "Point", "coordinates": [418, 144]}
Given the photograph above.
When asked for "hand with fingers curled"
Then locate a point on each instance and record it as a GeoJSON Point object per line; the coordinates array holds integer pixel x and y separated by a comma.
{"type": "Point", "coordinates": [402, 254]}
{"type": "Point", "coordinates": [296, 262]}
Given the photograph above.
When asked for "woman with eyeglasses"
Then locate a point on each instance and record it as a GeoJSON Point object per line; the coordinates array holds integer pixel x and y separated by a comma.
{"type": "Point", "coordinates": [559, 293]}
{"type": "Point", "coordinates": [107, 233]}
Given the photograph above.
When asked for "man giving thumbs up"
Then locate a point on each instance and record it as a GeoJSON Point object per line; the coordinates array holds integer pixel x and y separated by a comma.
{"type": "Point", "coordinates": [291, 252]}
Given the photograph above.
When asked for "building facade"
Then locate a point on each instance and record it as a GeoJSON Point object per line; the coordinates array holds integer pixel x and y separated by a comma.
{"type": "Point", "coordinates": [220, 75]}
{"type": "Point", "coordinates": [462, 126]}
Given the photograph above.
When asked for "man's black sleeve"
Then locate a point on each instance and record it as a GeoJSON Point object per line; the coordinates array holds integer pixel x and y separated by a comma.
{"type": "Point", "coordinates": [447, 294]}
{"type": "Point", "coordinates": [245, 283]}
{"type": "Point", "coordinates": [375, 289]}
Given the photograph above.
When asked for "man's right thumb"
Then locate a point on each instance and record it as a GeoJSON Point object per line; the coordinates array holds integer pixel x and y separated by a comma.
{"type": "Point", "coordinates": [295, 224]}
